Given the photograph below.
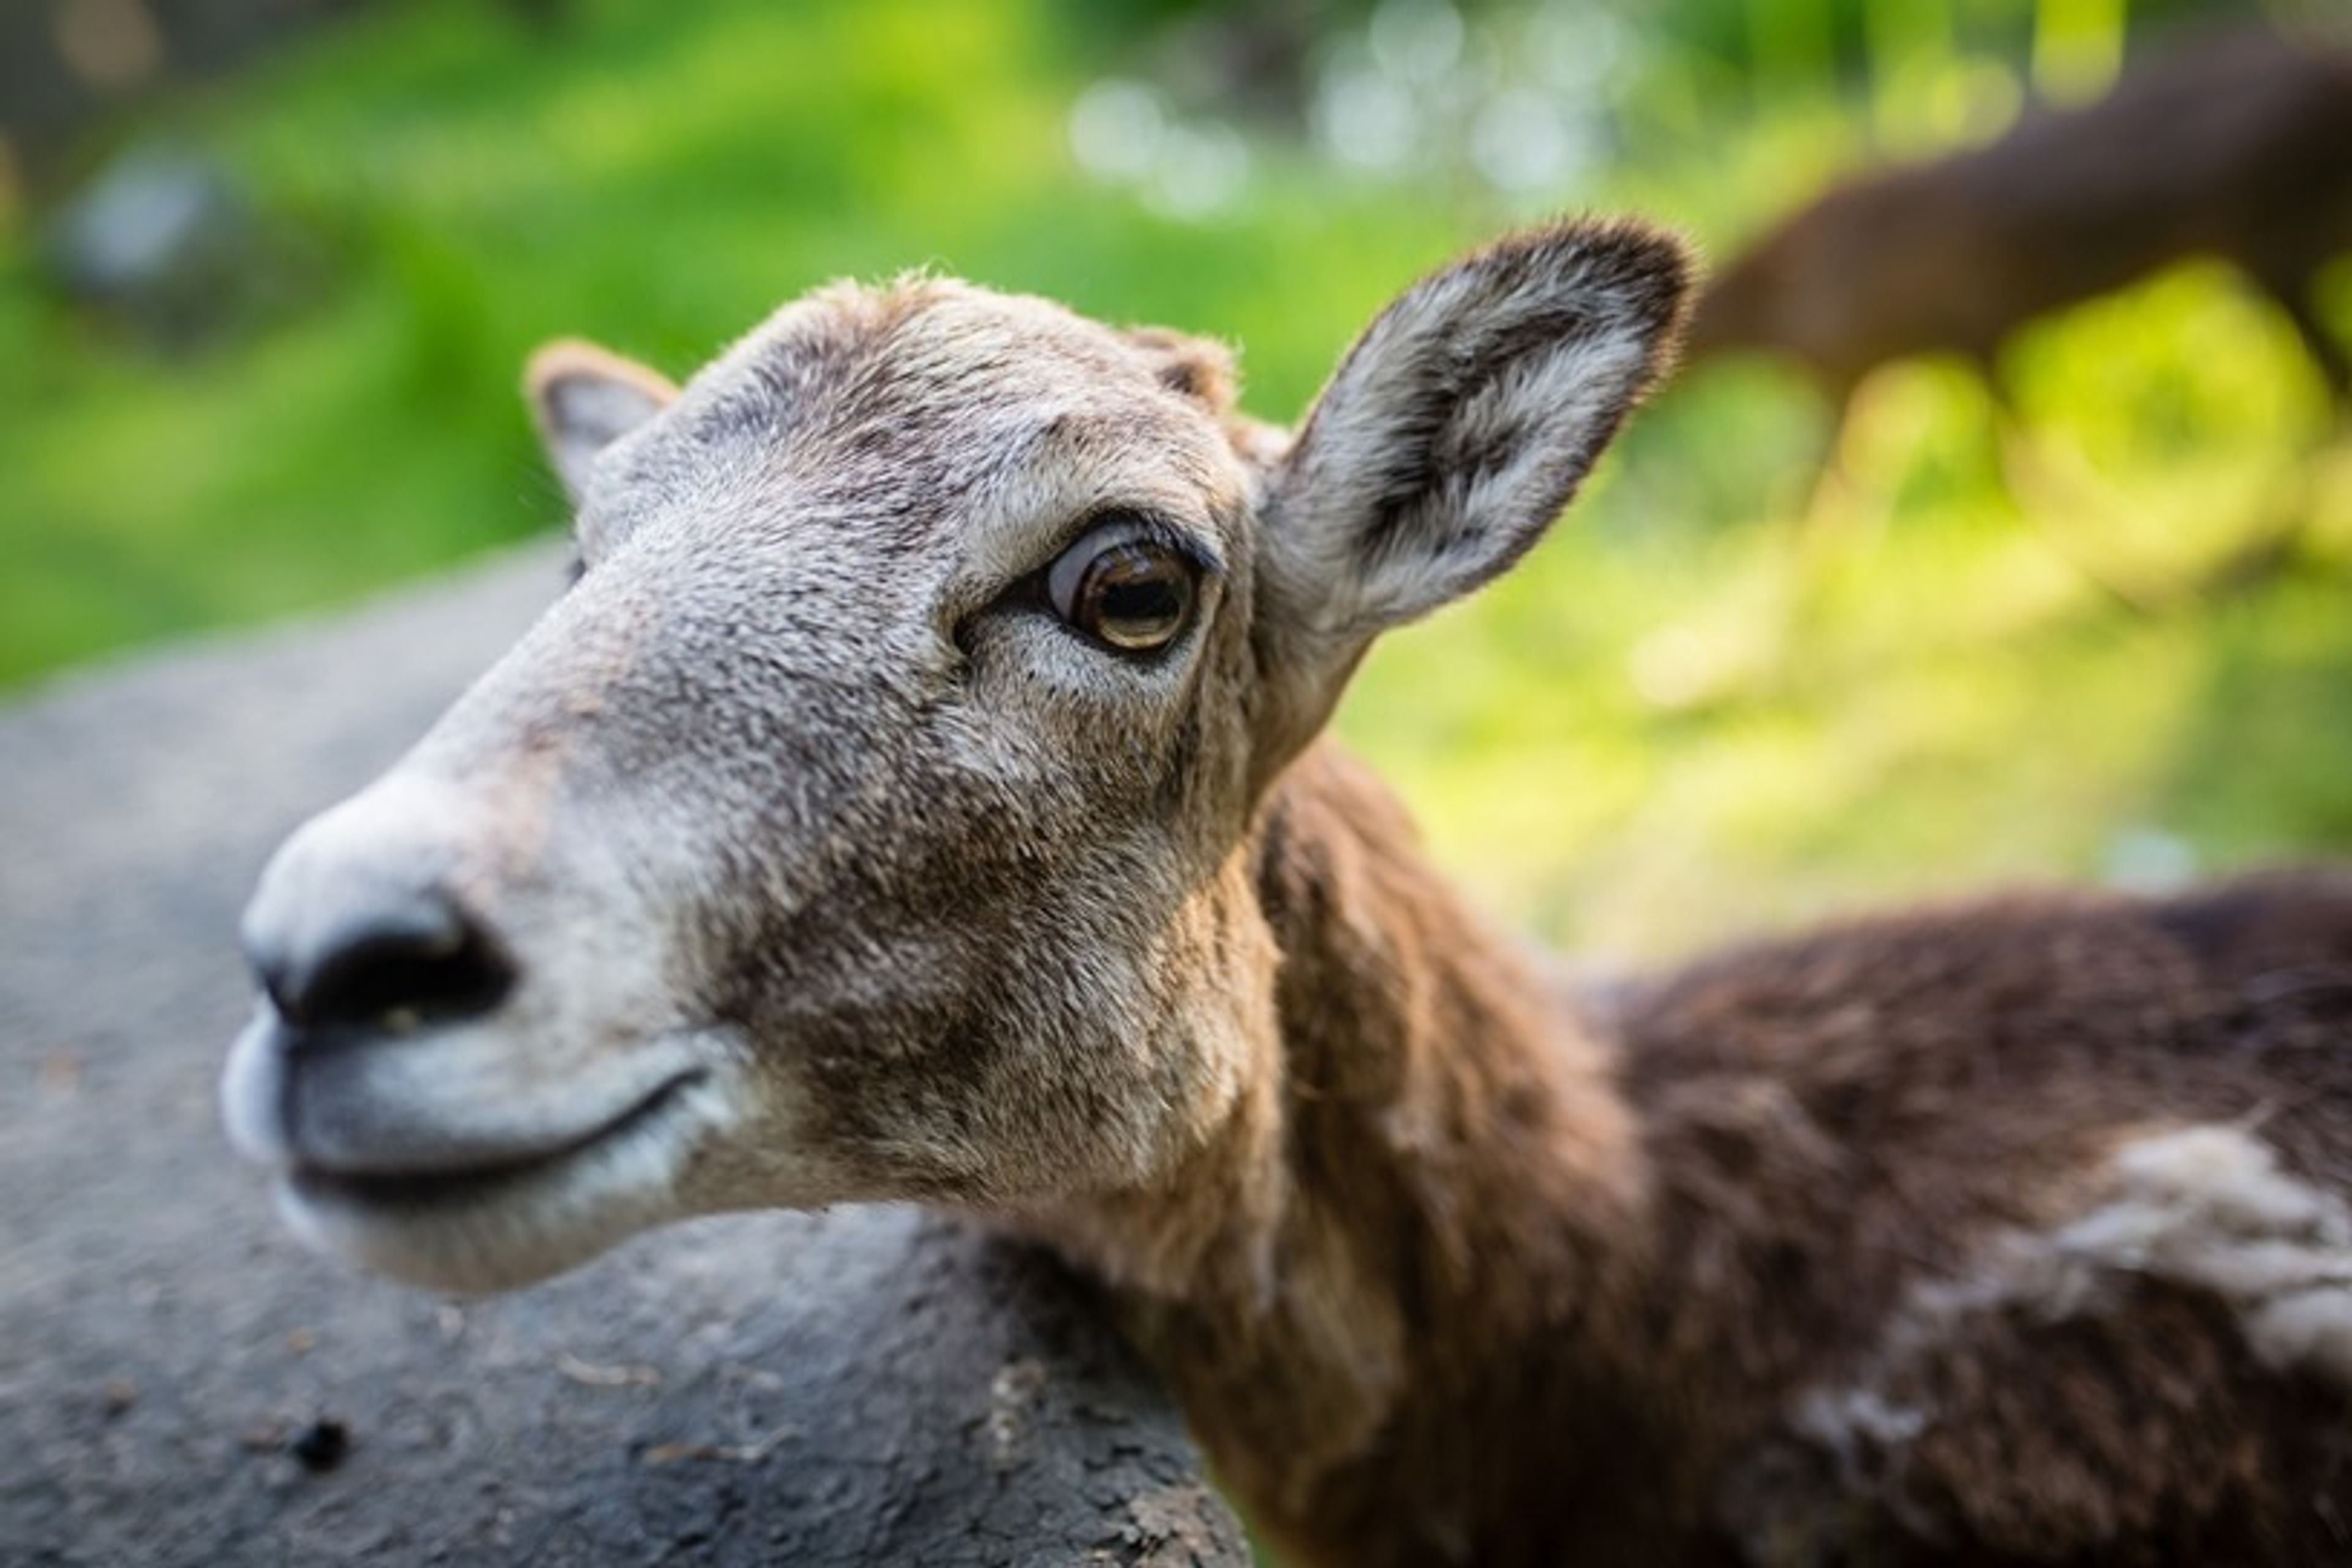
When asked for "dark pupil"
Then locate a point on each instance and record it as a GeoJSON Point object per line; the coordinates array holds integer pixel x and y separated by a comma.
{"type": "Point", "coordinates": [1134, 597]}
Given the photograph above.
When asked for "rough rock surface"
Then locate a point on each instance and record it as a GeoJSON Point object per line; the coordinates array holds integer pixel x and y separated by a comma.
{"type": "Point", "coordinates": [181, 1383]}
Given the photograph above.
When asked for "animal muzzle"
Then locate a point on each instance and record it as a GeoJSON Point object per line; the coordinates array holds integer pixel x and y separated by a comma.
{"type": "Point", "coordinates": [458, 1074]}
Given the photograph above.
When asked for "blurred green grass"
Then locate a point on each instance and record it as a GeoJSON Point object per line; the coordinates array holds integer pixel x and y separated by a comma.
{"type": "Point", "coordinates": [658, 183]}
{"type": "Point", "coordinates": [1675, 720]}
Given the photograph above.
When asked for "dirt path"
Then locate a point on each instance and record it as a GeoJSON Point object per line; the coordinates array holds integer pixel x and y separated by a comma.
{"type": "Point", "coordinates": [179, 1383]}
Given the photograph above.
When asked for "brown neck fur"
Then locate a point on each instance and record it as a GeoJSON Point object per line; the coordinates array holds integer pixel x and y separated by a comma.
{"type": "Point", "coordinates": [1462, 1279]}
{"type": "Point", "coordinates": [1438, 1168]}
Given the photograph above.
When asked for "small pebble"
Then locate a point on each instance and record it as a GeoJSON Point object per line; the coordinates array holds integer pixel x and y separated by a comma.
{"type": "Point", "coordinates": [321, 1446]}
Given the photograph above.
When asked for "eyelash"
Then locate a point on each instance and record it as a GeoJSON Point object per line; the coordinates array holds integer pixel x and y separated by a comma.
{"type": "Point", "coordinates": [1149, 529]}
{"type": "Point", "coordinates": [1030, 595]}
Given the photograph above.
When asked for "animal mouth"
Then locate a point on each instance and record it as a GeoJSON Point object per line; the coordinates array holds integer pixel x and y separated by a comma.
{"type": "Point", "coordinates": [647, 1124]}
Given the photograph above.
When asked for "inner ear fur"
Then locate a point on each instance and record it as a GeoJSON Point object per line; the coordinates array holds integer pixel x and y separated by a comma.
{"type": "Point", "coordinates": [582, 398]}
{"type": "Point", "coordinates": [1451, 434]}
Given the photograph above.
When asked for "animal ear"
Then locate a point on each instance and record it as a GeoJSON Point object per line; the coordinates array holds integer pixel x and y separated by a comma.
{"type": "Point", "coordinates": [582, 398]}
{"type": "Point", "coordinates": [1459, 425]}
{"type": "Point", "coordinates": [1197, 368]}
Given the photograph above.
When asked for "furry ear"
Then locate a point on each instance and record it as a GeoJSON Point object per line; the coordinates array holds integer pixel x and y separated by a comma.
{"type": "Point", "coordinates": [582, 398]}
{"type": "Point", "coordinates": [1451, 435]}
{"type": "Point", "coordinates": [1465, 417]}
{"type": "Point", "coordinates": [1197, 368]}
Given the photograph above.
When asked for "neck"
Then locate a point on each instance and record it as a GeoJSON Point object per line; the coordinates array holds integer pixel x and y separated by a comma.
{"type": "Point", "coordinates": [1433, 1169]}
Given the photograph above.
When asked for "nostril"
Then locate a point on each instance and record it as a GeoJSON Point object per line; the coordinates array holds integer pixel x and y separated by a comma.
{"type": "Point", "coordinates": [389, 969]}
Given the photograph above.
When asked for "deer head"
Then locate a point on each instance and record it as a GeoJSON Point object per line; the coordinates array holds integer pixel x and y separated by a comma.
{"type": "Point", "coordinates": [869, 819]}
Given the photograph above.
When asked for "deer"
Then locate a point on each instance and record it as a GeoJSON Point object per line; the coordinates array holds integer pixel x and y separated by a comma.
{"type": "Point", "coordinates": [2237, 147]}
{"type": "Point", "coordinates": [921, 795]}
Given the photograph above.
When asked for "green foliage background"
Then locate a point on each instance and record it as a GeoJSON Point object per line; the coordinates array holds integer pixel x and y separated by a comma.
{"type": "Point", "coordinates": [1684, 715]}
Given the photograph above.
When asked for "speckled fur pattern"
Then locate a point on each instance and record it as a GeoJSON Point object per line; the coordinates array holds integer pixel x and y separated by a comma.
{"type": "Point", "coordinates": [2007, 1232]}
{"type": "Point", "coordinates": [2009, 1215]}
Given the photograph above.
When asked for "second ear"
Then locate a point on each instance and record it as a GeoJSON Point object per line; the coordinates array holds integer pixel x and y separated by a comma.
{"type": "Point", "coordinates": [583, 398]}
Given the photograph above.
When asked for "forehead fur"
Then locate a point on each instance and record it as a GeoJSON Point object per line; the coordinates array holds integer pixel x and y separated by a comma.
{"type": "Point", "coordinates": [892, 413]}
{"type": "Point", "coordinates": [944, 374]}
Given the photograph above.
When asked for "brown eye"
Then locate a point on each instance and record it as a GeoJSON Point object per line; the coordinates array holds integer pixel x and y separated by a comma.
{"type": "Point", "coordinates": [1124, 588]}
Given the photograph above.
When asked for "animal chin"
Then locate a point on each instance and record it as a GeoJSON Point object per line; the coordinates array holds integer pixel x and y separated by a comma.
{"type": "Point", "coordinates": [505, 1222]}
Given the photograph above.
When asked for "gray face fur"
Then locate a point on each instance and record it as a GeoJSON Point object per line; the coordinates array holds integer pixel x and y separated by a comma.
{"type": "Point", "coordinates": [802, 853]}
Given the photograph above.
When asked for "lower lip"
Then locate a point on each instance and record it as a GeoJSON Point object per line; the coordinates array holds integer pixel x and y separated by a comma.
{"type": "Point", "coordinates": [449, 1189]}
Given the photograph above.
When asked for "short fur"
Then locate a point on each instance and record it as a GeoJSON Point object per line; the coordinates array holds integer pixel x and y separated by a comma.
{"type": "Point", "coordinates": [1621, 1283]}
{"type": "Point", "coordinates": [802, 854]}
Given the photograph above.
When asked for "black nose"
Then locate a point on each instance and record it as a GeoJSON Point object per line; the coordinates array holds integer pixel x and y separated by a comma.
{"type": "Point", "coordinates": [376, 958]}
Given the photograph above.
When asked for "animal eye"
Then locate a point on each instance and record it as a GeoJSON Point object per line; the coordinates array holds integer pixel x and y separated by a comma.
{"type": "Point", "coordinates": [1124, 588]}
